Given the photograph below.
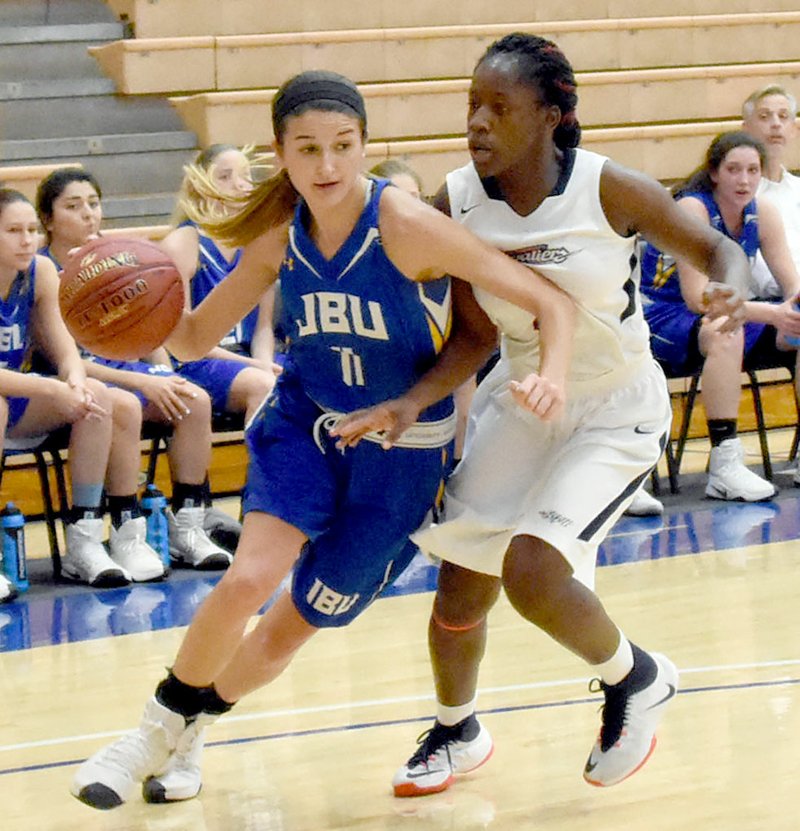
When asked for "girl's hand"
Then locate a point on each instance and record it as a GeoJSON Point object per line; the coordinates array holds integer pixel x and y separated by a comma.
{"type": "Point", "coordinates": [539, 395]}
{"type": "Point", "coordinates": [787, 319]}
{"type": "Point", "coordinates": [170, 393]}
{"type": "Point", "coordinates": [721, 301]}
{"type": "Point", "coordinates": [75, 401]}
{"type": "Point", "coordinates": [391, 418]}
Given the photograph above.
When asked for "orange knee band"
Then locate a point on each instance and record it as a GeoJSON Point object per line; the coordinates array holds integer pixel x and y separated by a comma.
{"type": "Point", "coordinates": [451, 628]}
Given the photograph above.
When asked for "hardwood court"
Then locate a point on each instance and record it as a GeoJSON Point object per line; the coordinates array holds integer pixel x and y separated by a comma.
{"type": "Point", "coordinates": [316, 751]}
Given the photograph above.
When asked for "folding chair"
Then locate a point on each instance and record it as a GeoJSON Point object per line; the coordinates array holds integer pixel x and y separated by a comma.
{"type": "Point", "coordinates": [46, 451]}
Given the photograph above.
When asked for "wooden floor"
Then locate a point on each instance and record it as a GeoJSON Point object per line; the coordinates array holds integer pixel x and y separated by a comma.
{"type": "Point", "coordinates": [317, 749]}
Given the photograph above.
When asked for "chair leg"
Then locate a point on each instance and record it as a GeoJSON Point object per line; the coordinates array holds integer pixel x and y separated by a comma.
{"type": "Point", "coordinates": [152, 460]}
{"type": "Point", "coordinates": [760, 425]}
{"type": "Point", "coordinates": [49, 511]}
{"type": "Point", "coordinates": [796, 438]}
{"type": "Point", "coordinates": [674, 450]}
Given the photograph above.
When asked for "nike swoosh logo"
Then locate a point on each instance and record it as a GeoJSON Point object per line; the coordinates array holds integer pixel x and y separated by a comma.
{"type": "Point", "coordinates": [426, 772]}
{"type": "Point", "coordinates": [590, 766]}
{"type": "Point", "coordinates": [670, 693]}
{"type": "Point", "coordinates": [639, 429]}
{"type": "Point", "coordinates": [467, 210]}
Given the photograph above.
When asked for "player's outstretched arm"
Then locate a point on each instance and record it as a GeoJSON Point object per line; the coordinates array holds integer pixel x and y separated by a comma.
{"type": "Point", "coordinates": [636, 204]}
{"type": "Point", "coordinates": [425, 244]}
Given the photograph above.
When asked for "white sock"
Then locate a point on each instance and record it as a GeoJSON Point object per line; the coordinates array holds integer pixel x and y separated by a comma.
{"type": "Point", "coordinates": [450, 716]}
{"type": "Point", "coordinates": [618, 665]}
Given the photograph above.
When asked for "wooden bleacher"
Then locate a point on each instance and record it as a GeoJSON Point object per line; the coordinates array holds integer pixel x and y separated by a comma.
{"type": "Point", "coordinates": [181, 18]}
{"type": "Point", "coordinates": [26, 178]}
{"type": "Point", "coordinates": [236, 62]}
{"type": "Point", "coordinates": [657, 80]}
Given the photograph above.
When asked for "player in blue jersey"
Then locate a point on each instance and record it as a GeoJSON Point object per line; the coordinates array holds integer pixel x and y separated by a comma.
{"type": "Point", "coordinates": [33, 404]}
{"type": "Point", "coordinates": [238, 372]}
{"type": "Point", "coordinates": [69, 204]}
{"type": "Point", "coordinates": [366, 305]}
{"type": "Point", "coordinates": [722, 193]}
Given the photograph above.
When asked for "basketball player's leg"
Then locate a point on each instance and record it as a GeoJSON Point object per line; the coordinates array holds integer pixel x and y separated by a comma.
{"type": "Point", "coordinates": [86, 558]}
{"type": "Point", "coordinates": [189, 455]}
{"type": "Point", "coordinates": [187, 700]}
{"type": "Point", "coordinates": [728, 476]}
{"type": "Point", "coordinates": [289, 495]}
{"type": "Point", "coordinates": [248, 390]}
{"type": "Point", "coordinates": [335, 579]}
{"type": "Point", "coordinates": [127, 542]}
{"type": "Point", "coordinates": [548, 571]}
{"type": "Point", "coordinates": [457, 742]}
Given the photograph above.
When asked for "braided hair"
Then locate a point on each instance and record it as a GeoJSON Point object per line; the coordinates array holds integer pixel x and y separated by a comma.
{"type": "Point", "coordinates": [544, 67]}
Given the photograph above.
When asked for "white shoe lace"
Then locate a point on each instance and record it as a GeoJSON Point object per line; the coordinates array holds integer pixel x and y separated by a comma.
{"type": "Point", "coordinates": [130, 755]}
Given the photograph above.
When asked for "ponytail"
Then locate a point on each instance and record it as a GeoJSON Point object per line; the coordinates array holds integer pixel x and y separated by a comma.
{"type": "Point", "coordinates": [270, 204]}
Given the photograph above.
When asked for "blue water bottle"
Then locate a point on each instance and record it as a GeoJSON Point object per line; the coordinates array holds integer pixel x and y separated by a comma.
{"type": "Point", "coordinates": [154, 508]}
{"type": "Point", "coordinates": [14, 564]}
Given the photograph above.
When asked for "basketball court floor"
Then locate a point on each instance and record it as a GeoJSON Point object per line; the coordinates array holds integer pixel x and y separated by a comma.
{"type": "Point", "coordinates": [716, 586]}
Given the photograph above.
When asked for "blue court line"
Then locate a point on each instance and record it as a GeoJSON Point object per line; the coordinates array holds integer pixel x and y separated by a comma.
{"type": "Point", "coordinates": [46, 618]}
{"type": "Point", "coordinates": [370, 725]}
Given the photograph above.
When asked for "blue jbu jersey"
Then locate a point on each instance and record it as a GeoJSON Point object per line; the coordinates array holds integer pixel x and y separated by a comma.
{"type": "Point", "coordinates": [659, 272]}
{"type": "Point", "coordinates": [15, 321]}
{"type": "Point", "coordinates": [359, 332]}
{"type": "Point", "coordinates": [213, 268]}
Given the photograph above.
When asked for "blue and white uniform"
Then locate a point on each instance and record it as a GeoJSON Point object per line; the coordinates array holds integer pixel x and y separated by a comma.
{"type": "Point", "coordinates": [15, 326]}
{"type": "Point", "coordinates": [359, 333]}
{"type": "Point", "coordinates": [126, 366]}
{"type": "Point", "coordinates": [567, 481]}
{"type": "Point", "coordinates": [216, 375]}
{"type": "Point", "coordinates": [674, 327]}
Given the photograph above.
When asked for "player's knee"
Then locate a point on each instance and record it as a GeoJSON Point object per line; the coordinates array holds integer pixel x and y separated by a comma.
{"type": "Point", "coordinates": [199, 404]}
{"type": "Point", "coordinates": [534, 574]}
{"type": "Point", "coordinates": [247, 589]}
{"type": "Point", "coordinates": [463, 597]}
{"type": "Point", "coordinates": [126, 410]}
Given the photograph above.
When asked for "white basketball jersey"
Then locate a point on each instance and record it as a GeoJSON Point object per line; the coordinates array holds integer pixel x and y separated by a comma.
{"type": "Point", "coordinates": [568, 240]}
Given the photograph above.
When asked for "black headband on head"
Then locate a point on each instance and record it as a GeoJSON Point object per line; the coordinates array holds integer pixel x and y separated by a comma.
{"type": "Point", "coordinates": [316, 88]}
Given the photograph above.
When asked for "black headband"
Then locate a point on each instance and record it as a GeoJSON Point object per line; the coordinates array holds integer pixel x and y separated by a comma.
{"type": "Point", "coordinates": [316, 88]}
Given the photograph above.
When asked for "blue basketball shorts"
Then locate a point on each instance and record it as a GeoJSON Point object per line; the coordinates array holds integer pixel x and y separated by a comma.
{"type": "Point", "coordinates": [674, 332]}
{"type": "Point", "coordinates": [215, 376]}
{"type": "Point", "coordinates": [16, 409]}
{"type": "Point", "coordinates": [143, 367]}
{"type": "Point", "coordinates": [357, 508]}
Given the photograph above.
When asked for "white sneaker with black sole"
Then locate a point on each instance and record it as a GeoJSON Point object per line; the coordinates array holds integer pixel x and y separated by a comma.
{"type": "Point", "coordinates": [111, 776]}
{"type": "Point", "coordinates": [182, 779]}
{"type": "Point", "coordinates": [730, 478]}
{"type": "Point", "coordinates": [129, 549]}
{"type": "Point", "coordinates": [86, 558]}
{"type": "Point", "coordinates": [631, 715]}
{"type": "Point", "coordinates": [644, 504]}
{"type": "Point", "coordinates": [443, 752]}
{"type": "Point", "coordinates": [190, 545]}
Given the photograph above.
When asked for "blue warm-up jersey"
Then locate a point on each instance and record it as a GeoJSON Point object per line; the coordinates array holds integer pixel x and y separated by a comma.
{"type": "Point", "coordinates": [15, 321]}
{"type": "Point", "coordinates": [212, 269]}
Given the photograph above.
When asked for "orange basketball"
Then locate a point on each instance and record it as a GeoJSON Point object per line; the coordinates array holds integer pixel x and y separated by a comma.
{"type": "Point", "coordinates": [120, 298]}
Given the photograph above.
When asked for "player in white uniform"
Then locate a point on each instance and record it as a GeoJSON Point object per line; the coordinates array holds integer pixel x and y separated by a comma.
{"type": "Point", "coordinates": [529, 504]}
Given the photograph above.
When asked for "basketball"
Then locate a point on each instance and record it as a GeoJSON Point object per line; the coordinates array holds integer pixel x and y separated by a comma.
{"type": "Point", "coordinates": [120, 298]}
